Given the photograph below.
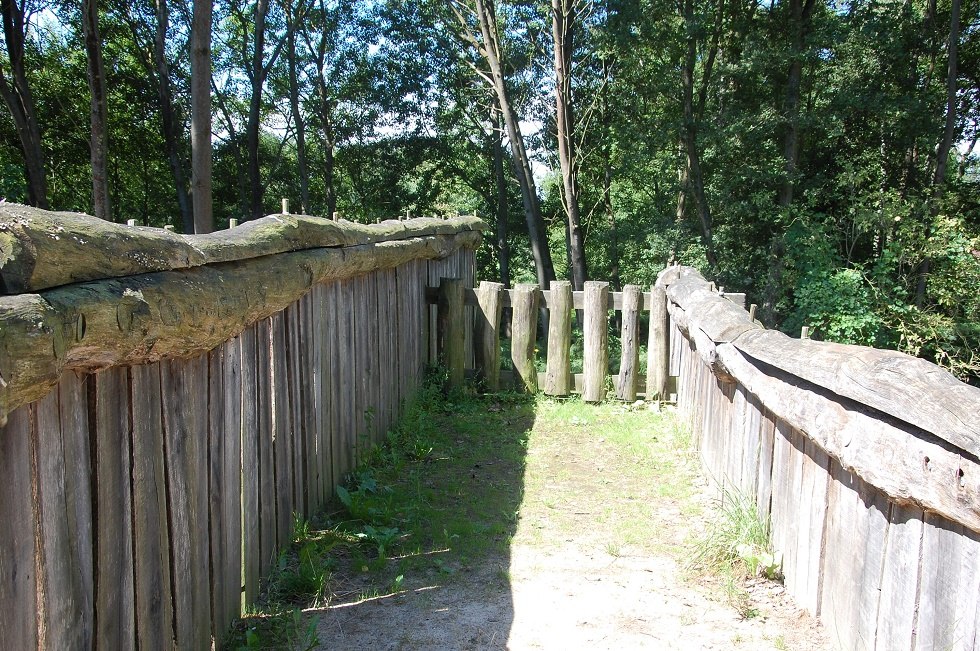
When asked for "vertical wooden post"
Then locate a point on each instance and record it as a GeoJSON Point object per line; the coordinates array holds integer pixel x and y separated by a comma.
{"type": "Point", "coordinates": [524, 329]}
{"type": "Point", "coordinates": [596, 352]}
{"type": "Point", "coordinates": [232, 222]}
{"type": "Point", "coordinates": [752, 309]}
{"type": "Point", "coordinates": [169, 227]}
{"type": "Point", "coordinates": [805, 332]}
{"type": "Point", "coordinates": [558, 378]}
{"type": "Point", "coordinates": [285, 206]}
{"type": "Point", "coordinates": [658, 345]}
{"type": "Point", "coordinates": [487, 329]}
{"type": "Point", "coordinates": [629, 360]}
{"type": "Point", "coordinates": [450, 329]}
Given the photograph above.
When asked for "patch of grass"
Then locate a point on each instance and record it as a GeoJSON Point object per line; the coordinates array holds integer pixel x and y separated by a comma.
{"type": "Point", "coordinates": [736, 545]}
{"type": "Point", "coordinates": [441, 494]}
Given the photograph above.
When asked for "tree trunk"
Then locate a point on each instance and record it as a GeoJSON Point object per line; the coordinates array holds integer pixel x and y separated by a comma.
{"type": "Point", "coordinates": [689, 136]}
{"type": "Point", "coordinates": [201, 117]}
{"type": "Point", "coordinates": [563, 24]}
{"type": "Point", "coordinates": [543, 265]}
{"type": "Point", "coordinates": [500, 182]}
{"type": "Point", "coordinates": [257, 75]}
{"type": "Point", "coordinates": [293, 21]}
{"type": "Point", "coordinates": [945, 142]}
{"type": "Point", "coordinates": [800, 12]}
{"type": "Point", "coordinates": [613, 241]}
{"type": "Point", "coordinates": [16, 94]}
{"type": "Point", "coordinates": [101, 202]}
{"type": "Point", "coordinates": [171, 131]}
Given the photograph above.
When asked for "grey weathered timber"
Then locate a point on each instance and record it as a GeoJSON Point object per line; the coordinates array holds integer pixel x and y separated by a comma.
{"type": "Point", "coordinates": [596, 350]}
{"type": "Point", "coordinates": [154, 601]}
{"type": "Point", "coordinates": [629, 365]}
{"type": "Point", "coordinates": [250, 401]}
{"type": "Point", "coordinates": [169, 314]}
{"type": "Point", "coordinates": [894, 460]}
{"type": "Point", "coordinates": [487, 335]}
{"type": "Point", "coordinates": [213, 488]}
{"type": "Point", "coordinates": [282, 435]}
{"type": "Point", "coordinates": [558, 377]}
{"type": "Point", "coordinates": [450, 329]}
{"type": "Point", "coordinates": [524, 327]}
{"type": "Point", "coordinates": [266, 461]}
{"type": "Point", "coordinates": [41, 249]}
{"type": "Point", "coordinates": [185, 421]}
{"type": "Point", "coordinates": [897, 617]}
{"type": "Point", "coordinates": [18, 580]}
{"type": "Point", "coordinates": [114, 562]}
{"type": "Point", "coordinates": [658, 345]}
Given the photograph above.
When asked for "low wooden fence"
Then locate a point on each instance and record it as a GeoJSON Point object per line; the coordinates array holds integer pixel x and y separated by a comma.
{"type": "Point", "coordinates": [866, 462]}
{"type": "Point", "coordinates": [559, 303]}
{"type": "Point", "coordinates": [169, 403]}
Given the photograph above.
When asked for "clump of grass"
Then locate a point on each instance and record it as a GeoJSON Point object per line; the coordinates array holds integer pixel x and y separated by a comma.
{"type": "Point", "coordinates": [442, 491]}
{"type": "Point", "coordinates": [737, 545]}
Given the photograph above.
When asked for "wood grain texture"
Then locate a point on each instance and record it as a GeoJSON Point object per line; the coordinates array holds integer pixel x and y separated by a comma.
{"type": "Point", "coordinates": [487, 335]}
{"type": "Point", "coordinates": [185, 419]}
{"type": "Point", "coordinates": [558, 379]}
{"type": "Point", "coordinates": [629, 364]}
{"type": "Point", "coordinates": [19, 625]}
{"type": "Point", "coordinates": [169, 314]}
{"type": "Point", "coordinates": [524, 328]}
{"type": "Point", "coordinates": [43, 249]}
{"type": "Point", "coordinates": [282, 435]}
{"type": "Point", "coordinates": [897, 612]}
{"type": "Point", "coordinates": [451, 336]}
{"type": "Point", "coordinates": [907, 468]}
{"type": "Point", "coordinates": [250, 526]}
{"type": "Point", "coordinates": [658, 345]}
{"type": "Point", "coordinates": [154, 601]}
{"type": "Point", "coordinates": [595, 363]}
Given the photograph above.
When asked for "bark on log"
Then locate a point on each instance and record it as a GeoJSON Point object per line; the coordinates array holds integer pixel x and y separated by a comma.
{"type": "Point", "coordinates": [908, 467]}
{"type": "Point", "coordinates": [171, 314]}
{"type": "Point", "coordinates": [41, 249]}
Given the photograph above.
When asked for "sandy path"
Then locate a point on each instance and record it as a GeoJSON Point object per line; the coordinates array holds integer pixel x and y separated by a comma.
{"type": "Point", "coordinates": [569, 583]}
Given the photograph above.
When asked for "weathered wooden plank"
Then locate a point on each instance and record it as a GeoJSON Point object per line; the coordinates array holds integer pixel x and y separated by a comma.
{"type": "Point", "coordinates": [767, 433]}
{"type": "Point", "coordinates": [658, 345]}
{"type": "Point", "coordinates": [251, 402]}
{"type": "Point", "coordinates": [231, 554]}
{"type": "Point", "coordinates": [154, 601]}
{"type": "Point", "coordinates": [309, 387]}
{"type": "Point", "coordinates": [347, 380]}
{"type": "Point", "coordinates": [629, 364]}
{"type": "Point", "coordinates": [451, 341]}
{"type": "Point", "coordinates": [950, 586]}
{"type": "Point", "coordinates": [487, 335]}
{"type": "Point", "coordinates": [19, 624]}
{"type": "Point", "coordinates": [595, 361]}
{"type": "Point", "coordinates": [296, 403]}
{"type": "Point", "coordinates": [524, 329]}
{"type": "Point", "coordinates": [372, 430]}
{"type": "Point", "coordinates": [185, 421]}
{"type": "Point", "coordinates": [267, 477]}
{"type": "Point", "coordinates": [897, 617]}
{"type": "Point", "coordinates": [65, 528]}
{"type": "Point", "coordinates": [558, 377]}
{"type": "Point", "coordinates": [115, 626]}
{"type": "Point", "coordinates": [169, 314]}
{"type": "Point", "coordinates": [383, 357]}
{"type": "Point", "coordinates": [361, 373]}
{"type": "Point", "coordinates": [813, 510]}
{"type": "Point", "coordinates": [214, 480]}
{"type": "Point", "coordinates": [321, 393]}
{"type": "Point", "coordinates": [334, 383]}
{"type": "Point", "coordinates": [282, 433]}
{"type": "Point", "coordinates": [76, 439]}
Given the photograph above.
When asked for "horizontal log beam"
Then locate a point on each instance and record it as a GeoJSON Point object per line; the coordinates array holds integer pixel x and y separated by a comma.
{"type": "Point", "coordinates": [171, 314]}
{"type": "Point", "coordinates": [41, 249]}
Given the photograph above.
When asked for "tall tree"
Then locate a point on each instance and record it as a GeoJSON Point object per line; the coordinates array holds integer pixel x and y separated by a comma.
{"type": "Point", "coordinates": [295, 15]}
{"type": "Point", "coordinates": [99, 143]}
{"type": "Point", "coordinates": [477, 26]}
{"type": "Point", "coordinates": [201, 153]}
{"type": "Point", "coordinates": [17, 95]}
{"type": "Point", "coordinates": [563, 25]}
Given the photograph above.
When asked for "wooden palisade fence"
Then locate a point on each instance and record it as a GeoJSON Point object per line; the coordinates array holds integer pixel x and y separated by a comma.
{"type": "Point", "coordinates": [168, 403]}
{"type": "Point", "coordinates": [865, 461]}
{"type": "Point", "coordinates": [560, 302]}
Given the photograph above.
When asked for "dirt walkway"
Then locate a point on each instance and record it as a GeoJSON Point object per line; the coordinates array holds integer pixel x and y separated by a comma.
{"type": "Point", "coordinates": [596, 559]}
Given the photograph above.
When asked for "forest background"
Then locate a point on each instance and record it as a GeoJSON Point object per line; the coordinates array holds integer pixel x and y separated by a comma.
{"type": "Point", "coordinates": [817, 155]}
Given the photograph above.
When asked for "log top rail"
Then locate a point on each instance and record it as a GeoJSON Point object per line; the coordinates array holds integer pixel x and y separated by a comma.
{"type": "Point", "coordinates": [90, 294]}
{"type": "Point", "coordinates": [904, 425]}
{"type": "Point", "coordinates": [41, 249]}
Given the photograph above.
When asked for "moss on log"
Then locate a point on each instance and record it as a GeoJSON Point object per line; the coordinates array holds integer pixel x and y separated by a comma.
{"type": "Point", "coordinates": [41, 249]}
{"type": "Point", "coordinates": [175, 313]}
